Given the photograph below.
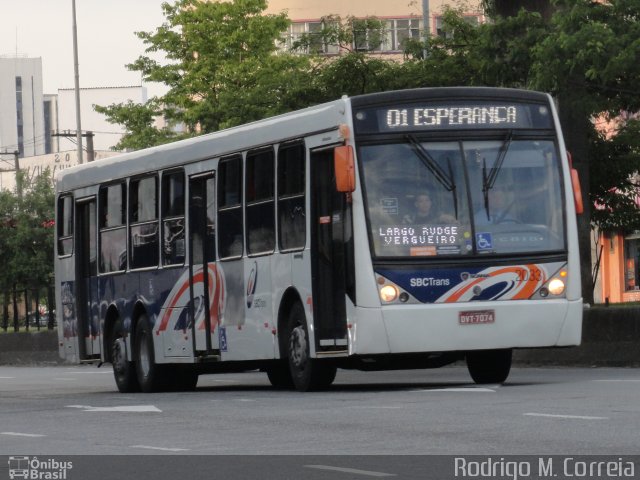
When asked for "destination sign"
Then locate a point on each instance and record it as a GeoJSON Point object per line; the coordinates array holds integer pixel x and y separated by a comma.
{"type": "Point", "coordinates": [453, 116]}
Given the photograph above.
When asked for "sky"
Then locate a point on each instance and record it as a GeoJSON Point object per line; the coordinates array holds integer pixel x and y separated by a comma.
{"type": "Point", "coordinates": [106, 39]}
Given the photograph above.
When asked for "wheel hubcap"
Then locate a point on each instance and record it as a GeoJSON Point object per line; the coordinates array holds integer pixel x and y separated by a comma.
{"type": "Point", "coordinates": [119, 355]}
{"type": "Point", "coordinates": [144, 359]}
{"type": "Point", "coordinates": [298, 347]}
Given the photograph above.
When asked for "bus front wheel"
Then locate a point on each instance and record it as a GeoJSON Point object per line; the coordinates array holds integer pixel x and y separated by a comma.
{"type": "Point", "coordinates": [307, 373]}
{"type": "Point", "coordinates": [489, 366]}
{"type": "Point", "coordinates": [124, 371]}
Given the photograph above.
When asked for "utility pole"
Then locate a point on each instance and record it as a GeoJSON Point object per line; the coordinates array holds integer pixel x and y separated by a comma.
{"type": "Point", "coordinates": [77, 82]}
{"type": "Point", "coordinates": [91, 154]}
{"type": "Point", "coordinates": [16, 161]}
{"type": "Point", "coordinates": [426, 27]}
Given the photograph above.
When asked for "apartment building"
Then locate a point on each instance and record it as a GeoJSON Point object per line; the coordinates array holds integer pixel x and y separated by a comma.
{"type": "Point", "coordinates": [404, 18]}
{"type": "Point", "coordinates": [22, 126]}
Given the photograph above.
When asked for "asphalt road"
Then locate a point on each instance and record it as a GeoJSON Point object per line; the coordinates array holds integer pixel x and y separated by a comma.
{"type": "Point", "coordinates": [76, 410]}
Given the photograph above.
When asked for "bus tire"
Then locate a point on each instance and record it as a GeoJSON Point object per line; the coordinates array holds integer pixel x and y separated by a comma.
{"type": "Point", "coordinates": [124, 371]}
{"type": "Point", "coordinates": [279, 374]}
{"type": "Point", "coordinates": [182, 379]}
{"type": "Point", "coordinates": [150, 374]}
{"type": "Point", "coordinates": [307, 373]}
{"type": "Point", "coordinates": [489, 366]}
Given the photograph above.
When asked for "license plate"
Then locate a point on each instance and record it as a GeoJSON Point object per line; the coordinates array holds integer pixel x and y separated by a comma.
{"type": "Point", "coordinates": [476, 317]}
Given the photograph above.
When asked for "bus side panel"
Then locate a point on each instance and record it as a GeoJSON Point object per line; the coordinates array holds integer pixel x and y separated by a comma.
{"type": "Point", "coordinates": [169, 312]}
{"type": "Point", "coordinates": [68, 347]}
{"type": "Point", "coordinates": [254, 340]}
{"type": "Point", "coordinates": [232, 318]}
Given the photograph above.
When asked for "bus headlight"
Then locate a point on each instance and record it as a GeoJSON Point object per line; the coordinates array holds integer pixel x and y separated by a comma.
{"type": "Point", "coordinates": [556, 287]}
{"type": "Point", "coordinates": [388, 293]}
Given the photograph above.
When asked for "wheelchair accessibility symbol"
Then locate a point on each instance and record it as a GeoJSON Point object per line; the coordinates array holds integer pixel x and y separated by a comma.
{"type": "Point", "coordinates": [484, 241]}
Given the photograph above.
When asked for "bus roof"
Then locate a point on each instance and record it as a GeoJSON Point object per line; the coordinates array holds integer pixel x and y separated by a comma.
{"type": "Point", "coordinates": [289, 126]}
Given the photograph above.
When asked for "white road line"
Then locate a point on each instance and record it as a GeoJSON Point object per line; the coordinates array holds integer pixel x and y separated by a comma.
{"type": "Point", "coordinates": [384, 407]}
{"type": "Point", "coordinates": [7, 378]}
{"type": "Point", "coordinates": [65, 379]}
{"type": "Point", "coordinates": [16, 434]}
{"type": "Point", "coordinates": [121, 408]}
{"type": "Point", "coordinates": [351, 470]}
{"type": "Point", "coordinates": [630, 380]}
{"type": "Point", "coordinates": [458, 390]}
{"type": "Point", "coordinates": [574, 417]}
{"type": "Point", "coordinates": [149, 447]}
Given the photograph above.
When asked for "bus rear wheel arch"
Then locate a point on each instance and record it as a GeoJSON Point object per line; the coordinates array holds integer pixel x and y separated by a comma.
{"type": "Point", "coordinates": [489, 366]}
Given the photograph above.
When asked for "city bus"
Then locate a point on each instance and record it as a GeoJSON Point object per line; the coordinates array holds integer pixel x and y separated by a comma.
{"type": "Point", "coordinates": [398, 230]}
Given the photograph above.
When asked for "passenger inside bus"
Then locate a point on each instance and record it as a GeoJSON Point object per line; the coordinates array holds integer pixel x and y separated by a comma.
{"type": "Point", "coordinates": [425, 213]}
{"type": "Point", "coordinates": [501, 207]}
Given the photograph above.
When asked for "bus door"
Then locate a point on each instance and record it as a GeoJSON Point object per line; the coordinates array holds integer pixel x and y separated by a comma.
{"type": "Point", "coordinates": [87, 280]}
{"type": "Point", "coordinates": [205, 285]}
{"type": "Point", "coordinates": [330, 226]}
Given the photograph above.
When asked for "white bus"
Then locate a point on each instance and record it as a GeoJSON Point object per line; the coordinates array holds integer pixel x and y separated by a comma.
{"type": "Point", "coordinates": [405, 229]}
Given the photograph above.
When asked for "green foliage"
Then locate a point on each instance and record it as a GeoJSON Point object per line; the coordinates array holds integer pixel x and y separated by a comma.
{"type": "Point", "coordinates": [138, 120]}
{"type": "Point", "coordinates": [614, 178]}
{"type": "Point", "coordinates": [27, 232]}
{"type": "Point", "coordinates": [221, 70]}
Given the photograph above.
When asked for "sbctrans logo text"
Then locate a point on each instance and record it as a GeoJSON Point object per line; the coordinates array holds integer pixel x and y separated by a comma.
{"type": "Point", "coordinates": [38, 469]}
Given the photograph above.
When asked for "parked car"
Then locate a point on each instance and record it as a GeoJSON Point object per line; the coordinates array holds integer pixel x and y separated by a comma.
{"type": "Point", "coordinates": [44, 319]}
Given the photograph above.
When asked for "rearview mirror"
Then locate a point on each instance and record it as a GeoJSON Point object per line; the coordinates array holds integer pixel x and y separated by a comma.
{"type": "Point", "coordinates": [344, 165]}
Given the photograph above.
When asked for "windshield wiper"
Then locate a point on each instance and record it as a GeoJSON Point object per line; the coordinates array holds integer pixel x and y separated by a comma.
{"type": "Point", "coordinates": [443, 177]}
{"type": "Point", "coordinates": [488, 181]}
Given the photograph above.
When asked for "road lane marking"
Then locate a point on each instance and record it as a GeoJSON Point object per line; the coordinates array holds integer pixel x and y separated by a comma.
{"type": "Point", "coordinates": [458, 390]}
{"type": "Point", "coordinates": [149, 447]}
{"type": "Point", "coordinates": [17, 434]}
{"type": "Point", "coordinates": [351, 470]}
{"type": "Point", "coordinates": [66, 379]}
{"type": "Point", "coordinates": [574, 417]}
{"type": "Point", "coordinates": [121, 408]}
{"type": "Point", "coordinates": [630, 380]}
{"type": "Point", "coordinates": [7, 378]}
{"type": "Point", "coordinates": [384, 407]}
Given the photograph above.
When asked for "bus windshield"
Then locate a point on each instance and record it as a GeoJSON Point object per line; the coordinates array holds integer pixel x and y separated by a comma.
{"type": "Point", "coordinates": [496, 196]}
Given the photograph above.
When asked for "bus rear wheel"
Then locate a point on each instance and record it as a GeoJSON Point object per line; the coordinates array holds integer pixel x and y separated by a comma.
{"type": "Point", "coordinates": [150, 374]}
{"type": "Point", "coordinates": [124, 371]}
{"type": "Point", "coordinates": [307, 373]}
{"type": "Point", "coordinates": [489, 366]}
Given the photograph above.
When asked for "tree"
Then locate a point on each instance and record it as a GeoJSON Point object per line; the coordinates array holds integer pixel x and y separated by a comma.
{"type": "Point", "coordinates": [221, 70]}
{"type": "Point", "coordinates": [589, 61]}
{"type": "Point", "coordinates": [30, 242]}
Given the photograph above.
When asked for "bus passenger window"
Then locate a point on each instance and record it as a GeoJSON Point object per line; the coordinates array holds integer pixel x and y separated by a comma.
{"type": "Point", "coordinates": [144, 222]}
{"type": "Point", "coordinates": [113, 236]}
{"type": "Point", "coordinates": [65, 225]}
{"type": "Point", "coordinates": [260, 205]}
{"type": "Point", "coordinates": [173, 239]}
{"type": "Point", "coordinates": [230, 242]}
{"type": "Point", "coordinates": [291, 197]}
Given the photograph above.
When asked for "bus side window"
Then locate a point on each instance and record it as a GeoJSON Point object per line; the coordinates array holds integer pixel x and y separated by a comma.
{"type": "Point", "coordinates": [113, 235]}
{"type": "Point", "coordinates": [173, 239]}
{"type": "Point", "coordinates": [259, 201]}
{"type": "Point", "coordinates": [291, 197]}
{"type": "Point", "coordinates": [230, 229]}
{"type": "Point", "coordinates": [143, 197]}
{"type": "Point", "coordinates": [65, 225]}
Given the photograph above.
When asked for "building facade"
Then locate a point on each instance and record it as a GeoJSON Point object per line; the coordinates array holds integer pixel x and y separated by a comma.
{"type": "Point", "coordinates": [22, 126]}
{"type": "Point", "coordinates": [402, 19]}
